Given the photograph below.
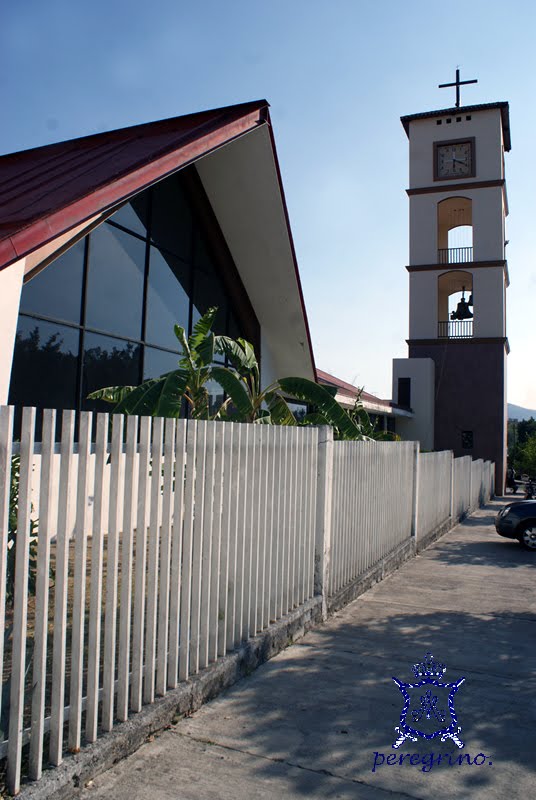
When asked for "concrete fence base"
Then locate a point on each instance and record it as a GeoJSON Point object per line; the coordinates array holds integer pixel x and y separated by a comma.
{"type": "Point", "coordinates": [67, 780]}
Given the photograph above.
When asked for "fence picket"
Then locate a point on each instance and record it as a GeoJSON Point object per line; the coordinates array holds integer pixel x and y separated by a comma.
{"type": "Point", "coordinates": [197, 548]}
{"type": "Point", "coordinates": [216, 567]}
{"type": "Point", "coordinates": [176, 554]}
{"type": "Point", "coordinates": [227, 497]}
{"type": "Point", "coordinates": [138, 627]}
{"type": "Point", "coordinates": [6, 451]}
{"type": "Point", "coordinates": [241, 533]}
{"type": "Point", "coordinates": [60, 591]}
{"type": "Point", "coordinates": [186, 571]}
{"type": "Point", "coordinates": [165, 557]}
{"type": "Point", "coordinates": [125, 610]}
{"type": "Point", "coordinates": [20, 609]}
{"type": "Point", "coordinates": [255, 533]}
{"type": "Point", "coordinates": [206, 545]}
{"type": "Point", "coordinates": [95, 600]}
{"type": "Point", "coordinates": [152, 561]}
{"type": "Point", "coordinates": [234, 512]}
{"type": "Point", "coordinates": [79, 589]}
{"type": "Point", "coordinates": [112, 565]}
{"type": "Point", "coordinates": [41, 594]}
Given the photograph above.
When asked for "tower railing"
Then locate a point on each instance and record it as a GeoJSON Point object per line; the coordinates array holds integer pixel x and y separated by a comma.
{"type": "Point", "coordinates": [454, 255]}
{"type": "Point", "coordinates": [455, 329]}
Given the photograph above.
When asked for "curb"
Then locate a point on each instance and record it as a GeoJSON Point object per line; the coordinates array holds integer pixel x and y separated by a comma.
{"type": "Point", "coordinates": [68, 780]}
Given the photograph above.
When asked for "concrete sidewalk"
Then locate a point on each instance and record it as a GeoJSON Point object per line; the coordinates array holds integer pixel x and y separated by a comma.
{"type": "Point", "coordinates": [308, 723]}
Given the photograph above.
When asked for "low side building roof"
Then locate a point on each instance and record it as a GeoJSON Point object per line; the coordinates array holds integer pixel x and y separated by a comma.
{"type": "Point", "coordinates": [347, 394]}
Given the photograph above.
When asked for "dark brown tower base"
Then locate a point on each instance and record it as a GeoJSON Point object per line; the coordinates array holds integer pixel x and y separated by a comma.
{"type": "Point", "coordinates": [470, 397]}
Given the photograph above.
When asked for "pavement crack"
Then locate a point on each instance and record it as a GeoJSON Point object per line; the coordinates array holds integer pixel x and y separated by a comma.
{"type": "Point", "coordinates": [275, 760]}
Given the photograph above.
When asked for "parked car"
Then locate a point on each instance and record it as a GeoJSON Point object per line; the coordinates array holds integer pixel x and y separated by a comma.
{"type": "Point", "coordinates": [518, 521]}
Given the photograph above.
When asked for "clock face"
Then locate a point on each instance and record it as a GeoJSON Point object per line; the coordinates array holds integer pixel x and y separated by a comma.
{"type": "Point", "coordinates": [454, 160]}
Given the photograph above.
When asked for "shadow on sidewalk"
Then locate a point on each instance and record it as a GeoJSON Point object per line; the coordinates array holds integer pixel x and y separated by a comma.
{"type": "Point", "coordinates": [328, 703]}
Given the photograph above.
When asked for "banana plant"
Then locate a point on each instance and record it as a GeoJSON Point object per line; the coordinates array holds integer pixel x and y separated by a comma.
{"type": "Point", "coordinates": [164, 396]}
{"type": "Point", "coordinates": [327, 409]}
{"type": "Point", "coordinates": [246, 400]}
{"type": "Point", "coordinates": [241, 383]}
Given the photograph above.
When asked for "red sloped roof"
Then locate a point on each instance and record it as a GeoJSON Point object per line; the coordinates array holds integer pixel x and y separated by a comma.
{"type": "Point", "coordinates": [349, 389]}
{"type": "Point", "coordinates": [46, 191]}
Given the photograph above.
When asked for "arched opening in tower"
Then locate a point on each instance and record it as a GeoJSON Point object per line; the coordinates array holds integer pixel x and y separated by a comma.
{"type": "Point", "coordinates": [455, 230]}
{"type": "Point", "coordinates": [455, 304]}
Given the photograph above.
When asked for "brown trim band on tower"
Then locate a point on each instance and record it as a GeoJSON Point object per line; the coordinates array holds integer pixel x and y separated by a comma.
{"type": "Point", "coordinates": [461, 342]}
{"type": "Point", "coordinates": [454, 267]}
{"type": "Point", "coordinates": [456, 187]}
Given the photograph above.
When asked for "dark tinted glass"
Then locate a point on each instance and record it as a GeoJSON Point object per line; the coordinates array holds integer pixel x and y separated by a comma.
{"type": "Point", "coordinates": [298, 409]}
{"type": "Point", "coordinates": [57, 290]}
{"type": "Point", "coordinates": [134, 215]}
{"type": "Point", "coordinates": [172, 219]}
{"type": "Point", "coordinates": [115, 282]}
{"type": "Point", "coordinates": [108, 362]}
{"type": "Point", "coordinates": [233, 328]}
{"type": "Point", "coordinates": [215, 394]}
{"type": "Point", "coordinates": [157, 362]}
{"type": "Point", "coordinates": [167, 298]}
{"type": "Point", "coordinates": [44, 365]}
{"type": "Point", "coordinates": [208, 290]}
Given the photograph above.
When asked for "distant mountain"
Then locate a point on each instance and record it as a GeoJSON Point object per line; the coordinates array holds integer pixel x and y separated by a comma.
{"type": "Point", "coordinates": [517, 412]}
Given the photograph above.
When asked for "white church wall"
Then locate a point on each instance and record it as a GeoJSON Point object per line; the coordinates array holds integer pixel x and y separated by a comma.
{"type": "Point", "coordinates": [243, 188]}
{"type": "Point", "coordinates": [10, 290]}
{"type": "Point", "coordinates": [420, 427]}
{"type": "Point", "coordinates": [268, 369]}
{"type": "Point", "coordinates": [423, 311]}
{"type": "Point", "coordinates": [485, 126]}
{"type": "Point", "coordinates": [423, 229]}
{"type": "Point", "coordinates": [488, 230]}
{"type": "Point", "coordinates": [489, 298]}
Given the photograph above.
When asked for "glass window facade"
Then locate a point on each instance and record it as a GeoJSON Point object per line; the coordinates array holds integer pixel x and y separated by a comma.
{"type": "Point", "coordinates": [103, 312]}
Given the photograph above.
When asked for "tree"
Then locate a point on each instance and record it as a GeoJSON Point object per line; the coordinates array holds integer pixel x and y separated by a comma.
{"type": "Point", "coordinates": [527, 456]}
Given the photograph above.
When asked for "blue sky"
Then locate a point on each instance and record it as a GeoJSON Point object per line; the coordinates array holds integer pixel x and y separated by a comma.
{"type": "Point", "coordinates": [338, 76]}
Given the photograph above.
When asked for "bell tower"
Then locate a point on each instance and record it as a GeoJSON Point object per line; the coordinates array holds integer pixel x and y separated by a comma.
{"type": "Point", "coordinates": [455, 377]}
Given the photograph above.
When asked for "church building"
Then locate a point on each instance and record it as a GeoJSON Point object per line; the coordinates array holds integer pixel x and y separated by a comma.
{"type": "Point", "coordinates": [454, 379]}
{"type": "Point", "coordinates": [108, 240]}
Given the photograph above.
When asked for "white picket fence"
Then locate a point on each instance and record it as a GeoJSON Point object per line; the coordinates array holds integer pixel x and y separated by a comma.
{"type": "Point", "coordinates": [435, 491]}
{"type": "Point", "coordinates": [462, 486]}
{"type": "Point", "coordinates": [372, 505]}
{"type": "Point", "coordinates": [164, 544]}
{"type": "Point", "coordinates": [385, 493]}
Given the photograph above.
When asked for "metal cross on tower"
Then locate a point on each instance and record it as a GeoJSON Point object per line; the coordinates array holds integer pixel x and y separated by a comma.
{"type": "Point", "coordinates": [457, 83]}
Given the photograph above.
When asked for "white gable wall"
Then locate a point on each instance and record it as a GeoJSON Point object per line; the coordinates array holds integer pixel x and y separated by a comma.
{"type": "Point", "coordinates": [10, 291]}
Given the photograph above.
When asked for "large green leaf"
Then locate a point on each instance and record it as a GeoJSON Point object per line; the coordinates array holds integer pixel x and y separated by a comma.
{"type": "Point", "coordinates": [234, 387]}
{"type": "Point", "coordinates": [243, 360]}
{"type": "Point", "coordinates": [144, 399]}
{"type": "Point", "coordinates": [202, 328]}
{"type": "Point", "coordinates": [169, 403]}
{"type": "Point", "coordinates": [312, 393]}
{"type": "Point", "coordinates": [205, 350]}
{"type": "Point", "coordinates": [112, 394]}
{"type": "Point", "coordinates": [279, 411]}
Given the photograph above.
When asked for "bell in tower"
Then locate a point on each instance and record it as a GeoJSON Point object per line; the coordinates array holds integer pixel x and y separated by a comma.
{"type": "Point", "coordinates": [463, 311]}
